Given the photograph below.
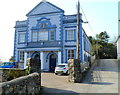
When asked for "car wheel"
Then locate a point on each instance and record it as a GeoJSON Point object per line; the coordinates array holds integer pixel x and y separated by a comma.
{"type": "Point", "coordinates": [67, 73]}
{"type": "Point", "coordinates": [55, 73]}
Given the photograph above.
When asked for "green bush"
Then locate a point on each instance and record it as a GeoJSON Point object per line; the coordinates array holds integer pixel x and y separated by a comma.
{"type": "Point", "coordinates": [9, 74]}
{"type": "Point", "coordinates": [17, 73]}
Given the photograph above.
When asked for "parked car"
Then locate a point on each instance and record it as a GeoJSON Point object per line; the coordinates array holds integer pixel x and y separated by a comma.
{"type": "Point", "coordinates": [61, 69]}
{"type": "Point", "coordinates": [7, 65]}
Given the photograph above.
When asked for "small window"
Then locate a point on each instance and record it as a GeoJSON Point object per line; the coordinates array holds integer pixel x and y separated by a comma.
{"type": "Point", "coordinates": [21, 37]}
{"type": "Point", "coordinates": [70, 54]}
{"type": "Point", "coordinates": [52, 35]}
{"type": "Point", "coordinates": [21, 56]}
{"type": "Point", "coordinates": [34, 36]}
{"type": "Point", "coordinates": [43, 25]}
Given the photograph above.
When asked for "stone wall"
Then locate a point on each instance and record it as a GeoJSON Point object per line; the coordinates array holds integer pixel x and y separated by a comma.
{"type": "Point", "coordinates": [74, 71]}
{"type": "Point", "coordinates": [27, 85]}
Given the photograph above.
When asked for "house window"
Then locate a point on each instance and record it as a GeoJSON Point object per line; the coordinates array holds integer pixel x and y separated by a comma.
{"type": "Point", "coordinates": [52, 35]}
{"type": "Point", "coordinates": [21, 56]}
{"type": "Point", "coordinates": [43, 35]}
{"type": "Point", "coordinates": [22, 37]}
{"type": "Point", "coordinates": [43, 25]}
{"type": "Point", "coordinates": [70, 34]}
{"type": "Point", "coordinates": [70, 54]}
{"type": "Point", "coordinates": [34, 36]}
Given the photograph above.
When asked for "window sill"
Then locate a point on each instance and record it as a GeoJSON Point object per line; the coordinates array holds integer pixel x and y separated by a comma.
{"type": "Point", "coordinates": [70, 40]}
{"type": "Point", "coordinates": [22, 43]}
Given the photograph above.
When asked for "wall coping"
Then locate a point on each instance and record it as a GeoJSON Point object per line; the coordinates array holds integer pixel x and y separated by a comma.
{"type": "Point", "coordinates": [18, 80]}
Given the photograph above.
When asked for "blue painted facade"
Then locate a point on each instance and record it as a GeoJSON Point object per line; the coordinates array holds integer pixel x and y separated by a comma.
{"type": "Point", "coordinates": [51, 27]}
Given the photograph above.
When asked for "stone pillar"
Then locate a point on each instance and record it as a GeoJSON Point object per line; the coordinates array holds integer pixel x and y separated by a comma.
{"type": "Point", "coordinates": [59, 57]}
{"type": "Point", "coordinates": [25, 59]}
{"type": "Point", "coordinates": [74, 70]}
{"type": "Point", "coordinates": [41, 58]}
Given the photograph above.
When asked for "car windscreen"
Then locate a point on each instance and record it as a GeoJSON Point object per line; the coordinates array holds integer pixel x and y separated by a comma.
{"type": "Point", "coordinates": [61, 66]}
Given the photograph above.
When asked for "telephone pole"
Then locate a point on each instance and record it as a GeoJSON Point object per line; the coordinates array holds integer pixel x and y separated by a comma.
{"type": "Point", "coordinates": [78, 32]}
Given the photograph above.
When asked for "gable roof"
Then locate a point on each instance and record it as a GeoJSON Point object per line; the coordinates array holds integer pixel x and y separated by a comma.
{"type": "Point", "coordinates": [44, 7]}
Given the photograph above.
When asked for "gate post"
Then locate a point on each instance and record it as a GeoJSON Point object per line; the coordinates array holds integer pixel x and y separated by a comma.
{"type": "Point", "coordinates": [35, 66]}
{"type": "Point", "coordinates": [74, 70]}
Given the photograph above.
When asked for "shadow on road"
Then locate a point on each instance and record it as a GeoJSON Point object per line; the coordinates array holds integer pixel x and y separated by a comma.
{"type": "Point", "coordinates": [54, 91]}
{"type": "Point", "coordinates": [101, 83]}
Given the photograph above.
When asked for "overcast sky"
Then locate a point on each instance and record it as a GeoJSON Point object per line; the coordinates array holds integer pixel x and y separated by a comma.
{"type": "Point", "coordinates": [101, 15]}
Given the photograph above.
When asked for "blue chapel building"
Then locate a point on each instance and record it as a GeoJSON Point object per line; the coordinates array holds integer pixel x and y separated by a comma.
{"type": "Point", "coordinates": [49, 35]}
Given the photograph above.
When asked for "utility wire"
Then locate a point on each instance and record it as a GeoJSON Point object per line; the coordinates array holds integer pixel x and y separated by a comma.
{"type": "Point", "coordinates": [87, 20]}
{"type": "Point", "coordinates": [90, 27]}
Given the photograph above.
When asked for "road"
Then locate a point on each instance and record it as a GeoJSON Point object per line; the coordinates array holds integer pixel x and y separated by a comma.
{"type": "Point", "coordinates": [102, 78]}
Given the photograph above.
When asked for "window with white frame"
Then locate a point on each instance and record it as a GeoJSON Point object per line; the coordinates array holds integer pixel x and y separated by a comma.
{"type": "Point", "coordinates": [21, 37]}
{"type": "Point", "coordinates": [34, 36]}
{"type": "Point", "coordinates": [21, 56]}
{"type": "Point", "coordinates": [71, 54]}
{"type": "Point", "coordinates": [43, 35]}
{"type": "Point", "coordinates": [70, 34]}
{"type": "Point", "coordinates": [52, 35]}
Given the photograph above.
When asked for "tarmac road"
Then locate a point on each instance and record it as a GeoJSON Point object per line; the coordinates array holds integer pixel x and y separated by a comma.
{"type": "Point", "coordinates": [102, 78]}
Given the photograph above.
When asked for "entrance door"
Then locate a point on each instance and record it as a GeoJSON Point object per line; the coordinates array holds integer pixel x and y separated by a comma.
{"type": "Point", "coordinates": [52, 63]}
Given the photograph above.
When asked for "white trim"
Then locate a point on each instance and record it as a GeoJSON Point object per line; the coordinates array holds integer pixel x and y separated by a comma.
{"type": "Point", "coordinates": [41, 58]}
{"type": "Point", "coordinates": [59, 57]}
{"type": "Point", "coordinates": [25, 59]}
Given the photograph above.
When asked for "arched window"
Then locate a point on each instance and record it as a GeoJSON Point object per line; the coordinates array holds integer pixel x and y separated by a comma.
{"type": "Point", "coordinates": [43, 25]}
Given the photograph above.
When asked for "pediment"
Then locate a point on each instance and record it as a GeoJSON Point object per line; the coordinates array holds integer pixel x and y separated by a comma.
{"type": "Point", "coordinates": [44, 8]}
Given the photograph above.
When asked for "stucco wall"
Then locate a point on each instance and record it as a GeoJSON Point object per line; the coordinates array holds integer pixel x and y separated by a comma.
{"type": "Point", "coordinates": [54, 20]}
{"type": "Point", "coordinates": [24, 85]}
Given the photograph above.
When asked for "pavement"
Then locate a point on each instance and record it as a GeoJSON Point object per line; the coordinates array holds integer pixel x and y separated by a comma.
{"type": "Point", "coordinates": [101, 78]}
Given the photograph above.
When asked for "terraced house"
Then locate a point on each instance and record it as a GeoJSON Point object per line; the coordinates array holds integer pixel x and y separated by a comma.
{"type": "Point", "coordinates": [50, 36]}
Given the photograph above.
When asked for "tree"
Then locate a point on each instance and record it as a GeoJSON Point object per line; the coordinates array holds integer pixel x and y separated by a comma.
{"type": "Point", "coordinates": [11, 59]}
{"type": "Point", "coordinates": [101, 48]}
{"type": "Point", "coordinates": [95, 45]}
{"type": "Point", "coordinates": [103, 37]}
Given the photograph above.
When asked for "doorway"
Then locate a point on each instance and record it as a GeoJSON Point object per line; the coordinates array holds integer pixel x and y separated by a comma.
{"type": "Point", "coordinates": [52, 63]}
{"type": "Point", "coordinates": [35, 63]}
